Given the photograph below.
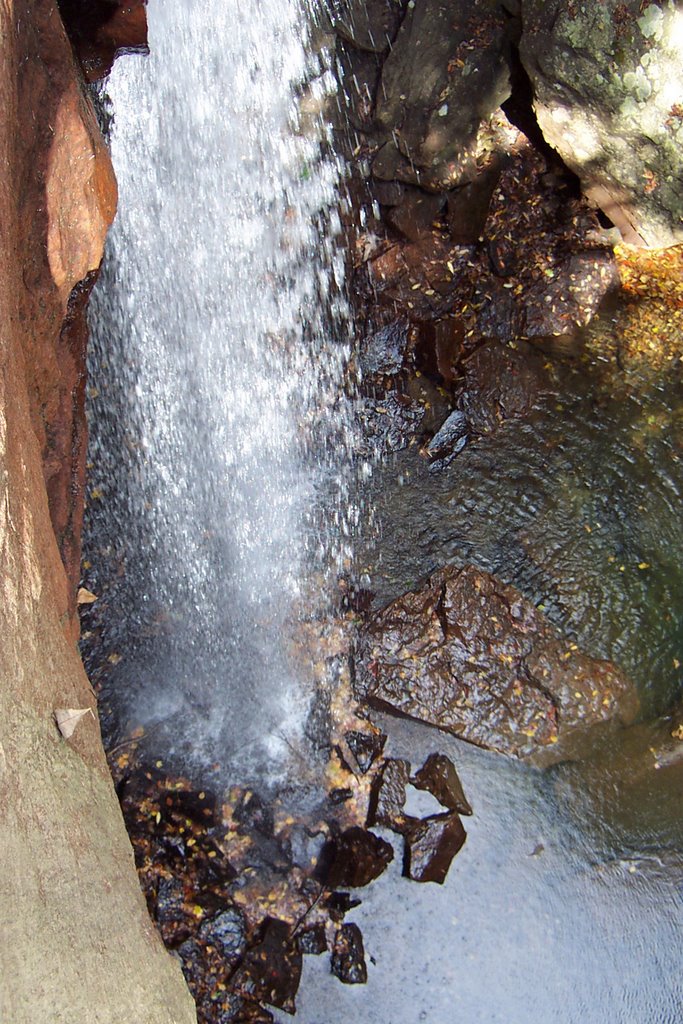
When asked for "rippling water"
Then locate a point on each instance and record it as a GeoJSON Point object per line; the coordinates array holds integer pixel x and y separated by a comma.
{"type": "Point", "coordinates": [219, 432]}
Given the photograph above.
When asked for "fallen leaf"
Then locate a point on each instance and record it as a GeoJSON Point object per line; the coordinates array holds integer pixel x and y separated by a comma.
{"type": "Point", "coordinates": [85, 596]}
{"type": "Point", "coordinates": [68, 718]}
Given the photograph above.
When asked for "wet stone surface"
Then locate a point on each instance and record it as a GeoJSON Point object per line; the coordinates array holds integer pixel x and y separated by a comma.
{"type": "Point", "coordinates": [348, 956]}
{"type": "Point", "coordinates": [431, 845]}
{"type": "Point", "coordinates": [469, 655]}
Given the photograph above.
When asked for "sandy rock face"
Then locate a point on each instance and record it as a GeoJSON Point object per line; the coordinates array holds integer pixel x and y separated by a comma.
{"type": "Point", "coordinates": [77, 944]}
{"type": "Point", "coordinates": [469, 655]}
{"type": "Point", "coordinates": [66, 202]}
{"type": "Point", "coordinates": [608, 86]}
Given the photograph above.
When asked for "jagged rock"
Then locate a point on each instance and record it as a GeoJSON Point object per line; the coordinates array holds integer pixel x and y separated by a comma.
{"type": "Point", "coordinates": [470, 655]}
{"type": "Point", "coordinates": [439, 777]}
{"type": "Point", "coordinates": [366, 747]}
{"type": "Point", "coordinates": [573, 295]}
{"type": "Point", "coordinates": [272, 969]}
{"type": "Point", "coordinates": [312, 940]}
{"type": "Point", "coordinates": [348, 956]}
{"type": "Point", "coordinates": [447, 71]}
{"type": "Point", "coordinates": [607, 81]}
{"type": "Point", "coordinates": [450, 439]}
{"type": "Point", "coordinates": [227, 933]}
{"type": "Point", "coordinates": [414, 216]}
{"type": "Point", "coordinates": [430, 846]}
{"type": "Point", "coordinates": [354, 858]}
{"type": "Point", "coordinates": [388, 795]}
{"type": "Point", "coordinates": [383, 352]}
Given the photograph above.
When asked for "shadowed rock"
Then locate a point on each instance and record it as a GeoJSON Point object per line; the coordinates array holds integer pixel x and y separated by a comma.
{"type": "Point", "coordinates": [470, 655]}
{"type": "Point", "coordinates": [272, 970]}
{"type": "Point", "coordinates": [439, 777]}
{"type": "Point", "coordinates": [348, 956]}
{"type": "Point", "coordinates": [430, 846]}
{"type": "Point", "coordinates": [388, 795]}
{"type": "Point", "coordinates": [354, 858]}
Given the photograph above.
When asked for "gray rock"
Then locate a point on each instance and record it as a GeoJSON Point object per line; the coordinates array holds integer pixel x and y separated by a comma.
{"type": "Point", "coordinates": [608, 81]}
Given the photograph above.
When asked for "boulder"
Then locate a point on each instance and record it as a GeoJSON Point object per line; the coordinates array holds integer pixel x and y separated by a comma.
{"type": "Point", "coordinates": [77, 941]}
{"type": "Point", "coordinates": [608, 82]}
{"type": "Point", "coordinates": [348, 956]}
{"type": "Point", "coordinates": [446, 73]}
{"type": "Point", "coordinates": [470, 655]}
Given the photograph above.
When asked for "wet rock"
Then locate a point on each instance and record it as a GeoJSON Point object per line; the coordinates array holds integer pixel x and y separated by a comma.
{"type": "Point", "coordinates": [390, 422]}
{"type": "Point", "coordinates": [604, 78]}
{"type": "Point", "coordinates": [366, 747]}
{"type": "Point", "coordinates": [499, 383]}
{"type": "Point", "coordinates": [388, 795]}
{"type": "Point", "coordinates": [272, 969]}
{"type": "Point", "coordinates": [439, 777]}
{"type": "Point", "coordinates": [430, 846]}
{"type": "Point", "coordinates": [384, 351]}
{"type": "Point", "coordinates": [430, 107]}
{"type": "Point", "coordinates": [169, 911]}
{"type": "Point", "coordinates": [470, 655]}
{"type": "Point", "coordinates": [354, 858]}
{"type": "Point", "coordinates": [468, 206]}
{"type": "Point", "coordinates": [348, 956]}
{"type": "Point", "coordinates": [100, 30]}
{"type": "Point", "coordinates": [227, 933]}
{"type": "Point", "coordinates": [572, 297]}
{"type": "Point", "coordinates": [387, 193]}
{"type": "Point", "coordinates": [338, 904]}
{"type": "Point", "coordinates": [500, 315]}
{"type": "Point", "coordinates": [312, 941]}
{"type": "Point", "coordinates": [368, 24]}
{"type": "Point", "coordinates": [449, 440]}
{"type": "Point", "coordinates": [416, 213]}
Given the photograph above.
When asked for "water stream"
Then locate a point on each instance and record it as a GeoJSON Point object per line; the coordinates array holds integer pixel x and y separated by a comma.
{"type": "Point", "coordinates": [219, 430]}
{"type": "Point", "coordinates": [220, 455]}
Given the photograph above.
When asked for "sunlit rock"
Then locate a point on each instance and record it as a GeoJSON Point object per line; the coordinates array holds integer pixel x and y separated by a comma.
{"type": "Point", "coordinates": [608, 82]}
{"type": "Point", "coordinates": [470, 655]}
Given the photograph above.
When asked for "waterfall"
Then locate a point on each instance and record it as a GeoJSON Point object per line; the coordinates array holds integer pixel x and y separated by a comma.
{"type": "Point", "coordinates": [219, 430]}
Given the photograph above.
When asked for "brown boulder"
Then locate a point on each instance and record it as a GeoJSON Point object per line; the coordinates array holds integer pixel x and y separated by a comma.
{"type": "Point", "coordinates": [470, 655]}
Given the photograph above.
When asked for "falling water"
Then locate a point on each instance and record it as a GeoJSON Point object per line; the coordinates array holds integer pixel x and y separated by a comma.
{"type": "Point", "coordinates": [219, 431]}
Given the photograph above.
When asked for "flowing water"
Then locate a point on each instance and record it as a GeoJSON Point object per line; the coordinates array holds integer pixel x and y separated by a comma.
{"type": "Point", "coordinates": [219, 431]}
{"type": "Point", "coordinates": [220, 451]}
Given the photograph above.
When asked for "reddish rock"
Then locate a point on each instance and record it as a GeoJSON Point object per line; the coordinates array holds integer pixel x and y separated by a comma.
{"type": "Point", "coordinates": [100, 30]}
{"type": "Point", "coordinates": [439, 777]}
{"type": "Point", "coordinates": [354, 858]}
{"type": "Point", "coordinates": [68, 200]}
{"type": "Point", "coordinates": [388, 795]}
{"type": "Point", "coordinates": [430, 846]}
{"type": "Point", "coordinates": [470, 655]}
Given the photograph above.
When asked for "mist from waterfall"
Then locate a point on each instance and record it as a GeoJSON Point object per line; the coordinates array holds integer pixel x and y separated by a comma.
{"type": "Point", "coordinates": [220, 435]}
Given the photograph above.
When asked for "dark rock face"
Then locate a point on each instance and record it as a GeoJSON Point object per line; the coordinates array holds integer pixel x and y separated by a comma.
{"type": "Point", "coordinates": [388, 795]}
{"type": "Point", "coordinates": [431, 845]}
{"type": "Point", "coordinates": [446, 73]}
{"type": "Point", "coordinates": [271, 970]}
{"type": "Point", "coordinates": [607, 81]}
{"type": "Point", "coordinates": [354, 858]}
{"type": "Point", "coordinates": [469, 655]}
{"type": "Point", "coordinates": [439, 777]}
{"type": "Point", "coordinates": [348, 956]}
{"type": "Point", "coordinates": [100, 30]}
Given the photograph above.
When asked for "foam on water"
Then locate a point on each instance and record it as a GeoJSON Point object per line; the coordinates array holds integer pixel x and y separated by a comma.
{"type": "Point", "coordinates": [219, 431]}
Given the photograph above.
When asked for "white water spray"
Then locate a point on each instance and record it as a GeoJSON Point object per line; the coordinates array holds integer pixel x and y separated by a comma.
{"type": "Point", "coordinates": [219, 433]}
